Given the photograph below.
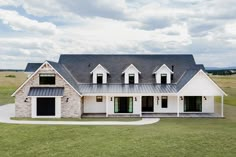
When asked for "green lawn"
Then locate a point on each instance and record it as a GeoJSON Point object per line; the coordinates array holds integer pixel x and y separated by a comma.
{"type": "Point", "coordinates": [170, 137]}
{"type": "Point", "coordinates": [190, 137]}
{"type": "Point", "coordinates": [9, 84]}
{"type": "Point", "coordinates": [228, 84]}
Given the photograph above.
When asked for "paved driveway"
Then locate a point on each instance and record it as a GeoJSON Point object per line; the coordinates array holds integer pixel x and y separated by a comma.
{"type": "Point", "coordinates": [8, 111]}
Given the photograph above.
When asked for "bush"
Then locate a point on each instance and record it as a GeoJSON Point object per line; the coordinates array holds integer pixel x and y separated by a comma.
{"type": "Point", "coordinates": [12, 76]}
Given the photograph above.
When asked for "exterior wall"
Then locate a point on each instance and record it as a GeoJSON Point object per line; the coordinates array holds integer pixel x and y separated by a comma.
{"type": "Point", "coordinates": [171, 105]}
{"type": "Point", "coordinates": [200, 85]}
{"type": "Point", "coordinates": [72, 108]}
{"type": "Point", "coordinates": [163, 70]}
{"type": "Point", "coordinates": [91, 106]}
{"type": "Point", "coordinates": [99, 70]}
{"type": "Point", "coordinates": [131, 70]}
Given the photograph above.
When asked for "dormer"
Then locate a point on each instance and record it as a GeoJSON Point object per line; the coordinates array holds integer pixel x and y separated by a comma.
{"type": "Point", "coordinates": [131, 74]}
{"type": "Point", "coordinates": [163, 74]}
{"type": "Point", "coordinates": [99, 74]}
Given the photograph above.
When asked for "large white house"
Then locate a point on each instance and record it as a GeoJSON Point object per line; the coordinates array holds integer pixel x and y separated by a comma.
{"type": "Point", "coordinates": [117, 85]}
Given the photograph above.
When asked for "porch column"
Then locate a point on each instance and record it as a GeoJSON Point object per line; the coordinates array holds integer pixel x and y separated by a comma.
{"type": "Point", "coordinates": [222, 106]}
{"type": "Point", "coordinates": [107, 106]}
{"type": "Point", "coordinates": [140, 103]}
{"type": "Point", "coordinates": [177, 106]}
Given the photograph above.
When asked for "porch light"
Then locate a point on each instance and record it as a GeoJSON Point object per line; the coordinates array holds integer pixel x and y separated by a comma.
{"type": "Point", "coordinates": [205, 98]}
{"type": "Point", "coordinates": [111, 99]}
{"type": "Point", "coordinates": [181, 98]}
{"type": "Point", "coordinates": [135, 98]}
{"type": "Point", "coordinates": [26, 100]}
{"type": "Point", "coordinates": [157, 99]}
{"type": "Point", "coordinates": [67, 99]}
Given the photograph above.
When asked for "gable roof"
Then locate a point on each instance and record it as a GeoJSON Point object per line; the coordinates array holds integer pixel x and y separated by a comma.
{"type": "Point", "coordinates": [159, 67]}
{"type": "Point", "coordinates": [80, 65]}
{"type": "Point", "coordinates": [59, 70]}
{"type": "Point", "coordinates": [32, 67]}
{"type": "Point", "coordinates": [99, 65]}
{"type": "Point", "coordinates": [130, 66]}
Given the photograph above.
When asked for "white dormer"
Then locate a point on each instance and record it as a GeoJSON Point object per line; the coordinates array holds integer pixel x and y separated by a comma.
{"type": "Point", "coordinates": [163, 74]}
{"type": "Point", "coordinates": [99, 74]}
{"type": "Point", "coordinates": [131, 74]}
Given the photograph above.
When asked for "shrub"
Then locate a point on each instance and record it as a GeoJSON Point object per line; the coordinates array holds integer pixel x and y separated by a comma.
{"type": "Point", "coordinates": [12, 76]}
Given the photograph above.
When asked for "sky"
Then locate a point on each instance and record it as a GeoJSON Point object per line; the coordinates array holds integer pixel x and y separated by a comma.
{"type": "Point", "coordinates": [39, 30]}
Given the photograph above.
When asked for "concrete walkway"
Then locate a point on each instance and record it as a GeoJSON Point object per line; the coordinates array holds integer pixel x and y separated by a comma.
{"type": "Point", "coordinates": [8, 111]}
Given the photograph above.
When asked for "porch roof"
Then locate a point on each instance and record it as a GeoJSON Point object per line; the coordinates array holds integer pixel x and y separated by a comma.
{"type": "Point", "coordinates": [127, 88]}
{"type": "Point", "coordinates": [46, 91]}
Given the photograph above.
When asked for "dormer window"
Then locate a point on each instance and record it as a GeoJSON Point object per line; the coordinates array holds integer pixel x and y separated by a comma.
{"type": "Point", "coordinates": [163, 78]}
{"type": "Point", "coordinates": [99, 74]}
{"type": "Point", "coordinates": [131, 75]}
{"type": "Point", "coordinates": [163, 74]}
{"type": "Point", "coordinates": [131, 78]}
{"type": "Point", "coordinates": [99, 78]}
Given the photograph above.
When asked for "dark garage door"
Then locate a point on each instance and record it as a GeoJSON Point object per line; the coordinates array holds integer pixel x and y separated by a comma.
{"type": "Point", "coordinates": [45, 106]}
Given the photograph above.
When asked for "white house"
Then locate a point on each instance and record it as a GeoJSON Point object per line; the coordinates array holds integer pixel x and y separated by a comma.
{"type": "Point", "coordinates": [116, 85]}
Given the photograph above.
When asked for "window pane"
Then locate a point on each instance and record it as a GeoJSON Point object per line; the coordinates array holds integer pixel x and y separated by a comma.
{"type": "Point", "coordinates": [99, 98]}
{"type": "Point", "coordinates": [164, 101]}
{"type": "Point", "coordinates": [99, 78]}
{"type": "Point", "coordinates": [130, 105]}
{"type": "Point", "coordinates": [116, 107]}
{"type": "Point", "coordinates": [131, 78]}
{"type": "Point", "coordinates": [47, 79]}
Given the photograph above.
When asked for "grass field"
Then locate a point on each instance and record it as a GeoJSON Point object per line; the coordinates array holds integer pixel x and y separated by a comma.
{"type": "Point", "coordinates": [9, 84]}
{"type": "Point", "coordinates": [190, 137]}
{"type": "Point", "coordinates": [228, 84]}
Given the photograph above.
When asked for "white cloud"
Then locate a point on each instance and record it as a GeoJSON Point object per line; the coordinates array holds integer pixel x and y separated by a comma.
{"type": "Point", "coordinates": [10, 2]}
{"type": "Point", "coordinates": [18, 22]}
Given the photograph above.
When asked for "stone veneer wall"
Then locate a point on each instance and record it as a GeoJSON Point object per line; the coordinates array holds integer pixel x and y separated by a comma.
{"type": "Point", "coordinates": [72, 108]}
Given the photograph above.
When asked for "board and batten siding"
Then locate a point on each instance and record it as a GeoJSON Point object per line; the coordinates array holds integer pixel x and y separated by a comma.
{"type": "Point", "coordinates": [92, 106]}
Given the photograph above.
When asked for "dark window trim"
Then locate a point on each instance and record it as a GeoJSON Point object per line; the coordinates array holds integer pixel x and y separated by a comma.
{"type": "Point", "coordinates": [100, 75]}
{"type": "Point", "coordinates": [164, 98]}
{"type": "Point", "coordinates": [99, 99]}
{"type": "Point", "coordinates": [127, 112]}
{"type": "Point", "coordinates": [47, 75]}
{"type": "Point", "coordinates": [131, 75]}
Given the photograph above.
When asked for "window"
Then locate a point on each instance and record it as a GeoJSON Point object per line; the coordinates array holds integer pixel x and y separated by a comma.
{"type": "Point", "coordinates": [164, 102]}
{"type": "Point", "coordinates": [47, 79]}
{"type": "Point", "coordinates": [98, 98]}
{"type": "Point", "coordinates": [131, 78]}
{"type": "Point", "coordinates": [99, 78]}
{"type": "Point", "coordinates": [163, 78]}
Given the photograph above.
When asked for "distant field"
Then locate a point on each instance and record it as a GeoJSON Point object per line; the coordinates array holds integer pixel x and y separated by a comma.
{"type": "Point", "coordinates": [9, 84]}
{"type": "Point", "coordinates": [228, 84]}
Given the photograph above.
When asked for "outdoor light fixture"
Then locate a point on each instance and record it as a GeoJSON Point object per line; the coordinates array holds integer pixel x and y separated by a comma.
{"type": "Point", "coordinates": [111, 99]}
{"type": "Point", "coordinates": [67, 99]}
{"type": "Point", "coordinates": [26, 100]}
{"type": "Point", "coordinates": [205, 98]}
{"type": "Point", "coordinates": [181, 98]}
{"type": "Point", "coordinates": [157, 99]}
{"type": "Point", "coordinates": [135, 98]}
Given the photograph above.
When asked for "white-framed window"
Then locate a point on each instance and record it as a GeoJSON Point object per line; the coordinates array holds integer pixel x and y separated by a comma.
{"type": "Point", "coordinates": [99, 99]}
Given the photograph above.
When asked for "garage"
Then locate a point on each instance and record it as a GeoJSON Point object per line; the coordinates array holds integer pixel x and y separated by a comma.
{"type": "Point", "coordinates": [45, 106]}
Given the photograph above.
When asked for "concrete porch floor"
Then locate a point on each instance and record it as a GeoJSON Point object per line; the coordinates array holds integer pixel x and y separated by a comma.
{"type": "Point", "coordinates": [159, 115]}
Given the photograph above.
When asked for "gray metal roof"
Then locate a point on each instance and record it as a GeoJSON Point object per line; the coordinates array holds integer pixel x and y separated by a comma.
{"type": "Point", "coordinates": [46, 91]}
{"type": "Point", "coordinates": [126, 88]}
{"type": "Point", "coordinates": [32, 67]}
{"type": "Point", "coordinates": [80, 65]}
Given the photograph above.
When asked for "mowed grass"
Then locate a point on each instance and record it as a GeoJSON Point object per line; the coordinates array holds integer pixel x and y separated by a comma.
{"type": "Point", "coordinates": [9, 84]}
{"type": "Point", "coordinates": [190, 137]}
{"type": "Point", "coordinates": [193, 137]}
{"type": "Point", "coordinates": [228, 84]}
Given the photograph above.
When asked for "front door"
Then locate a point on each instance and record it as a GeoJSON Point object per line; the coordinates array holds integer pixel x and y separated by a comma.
{"type": "Point", "coordinates": [123, 105]}
{"type": "Point", "coordinates": [147, 104]}
{"type": "Point", "coordinates": [45, 106]}
{"type": "Point", "coordinates": [192, 104]}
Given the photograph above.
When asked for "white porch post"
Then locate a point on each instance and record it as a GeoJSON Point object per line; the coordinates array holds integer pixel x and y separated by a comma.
{"type": "Point", "coordinates": [177, 106]}
{"type": "Point", "coordinates": [222, 106]}
{"type": "Point", "coordinates": [107, 106]}
{"type": "Point", "coordinates": [140, 103]}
